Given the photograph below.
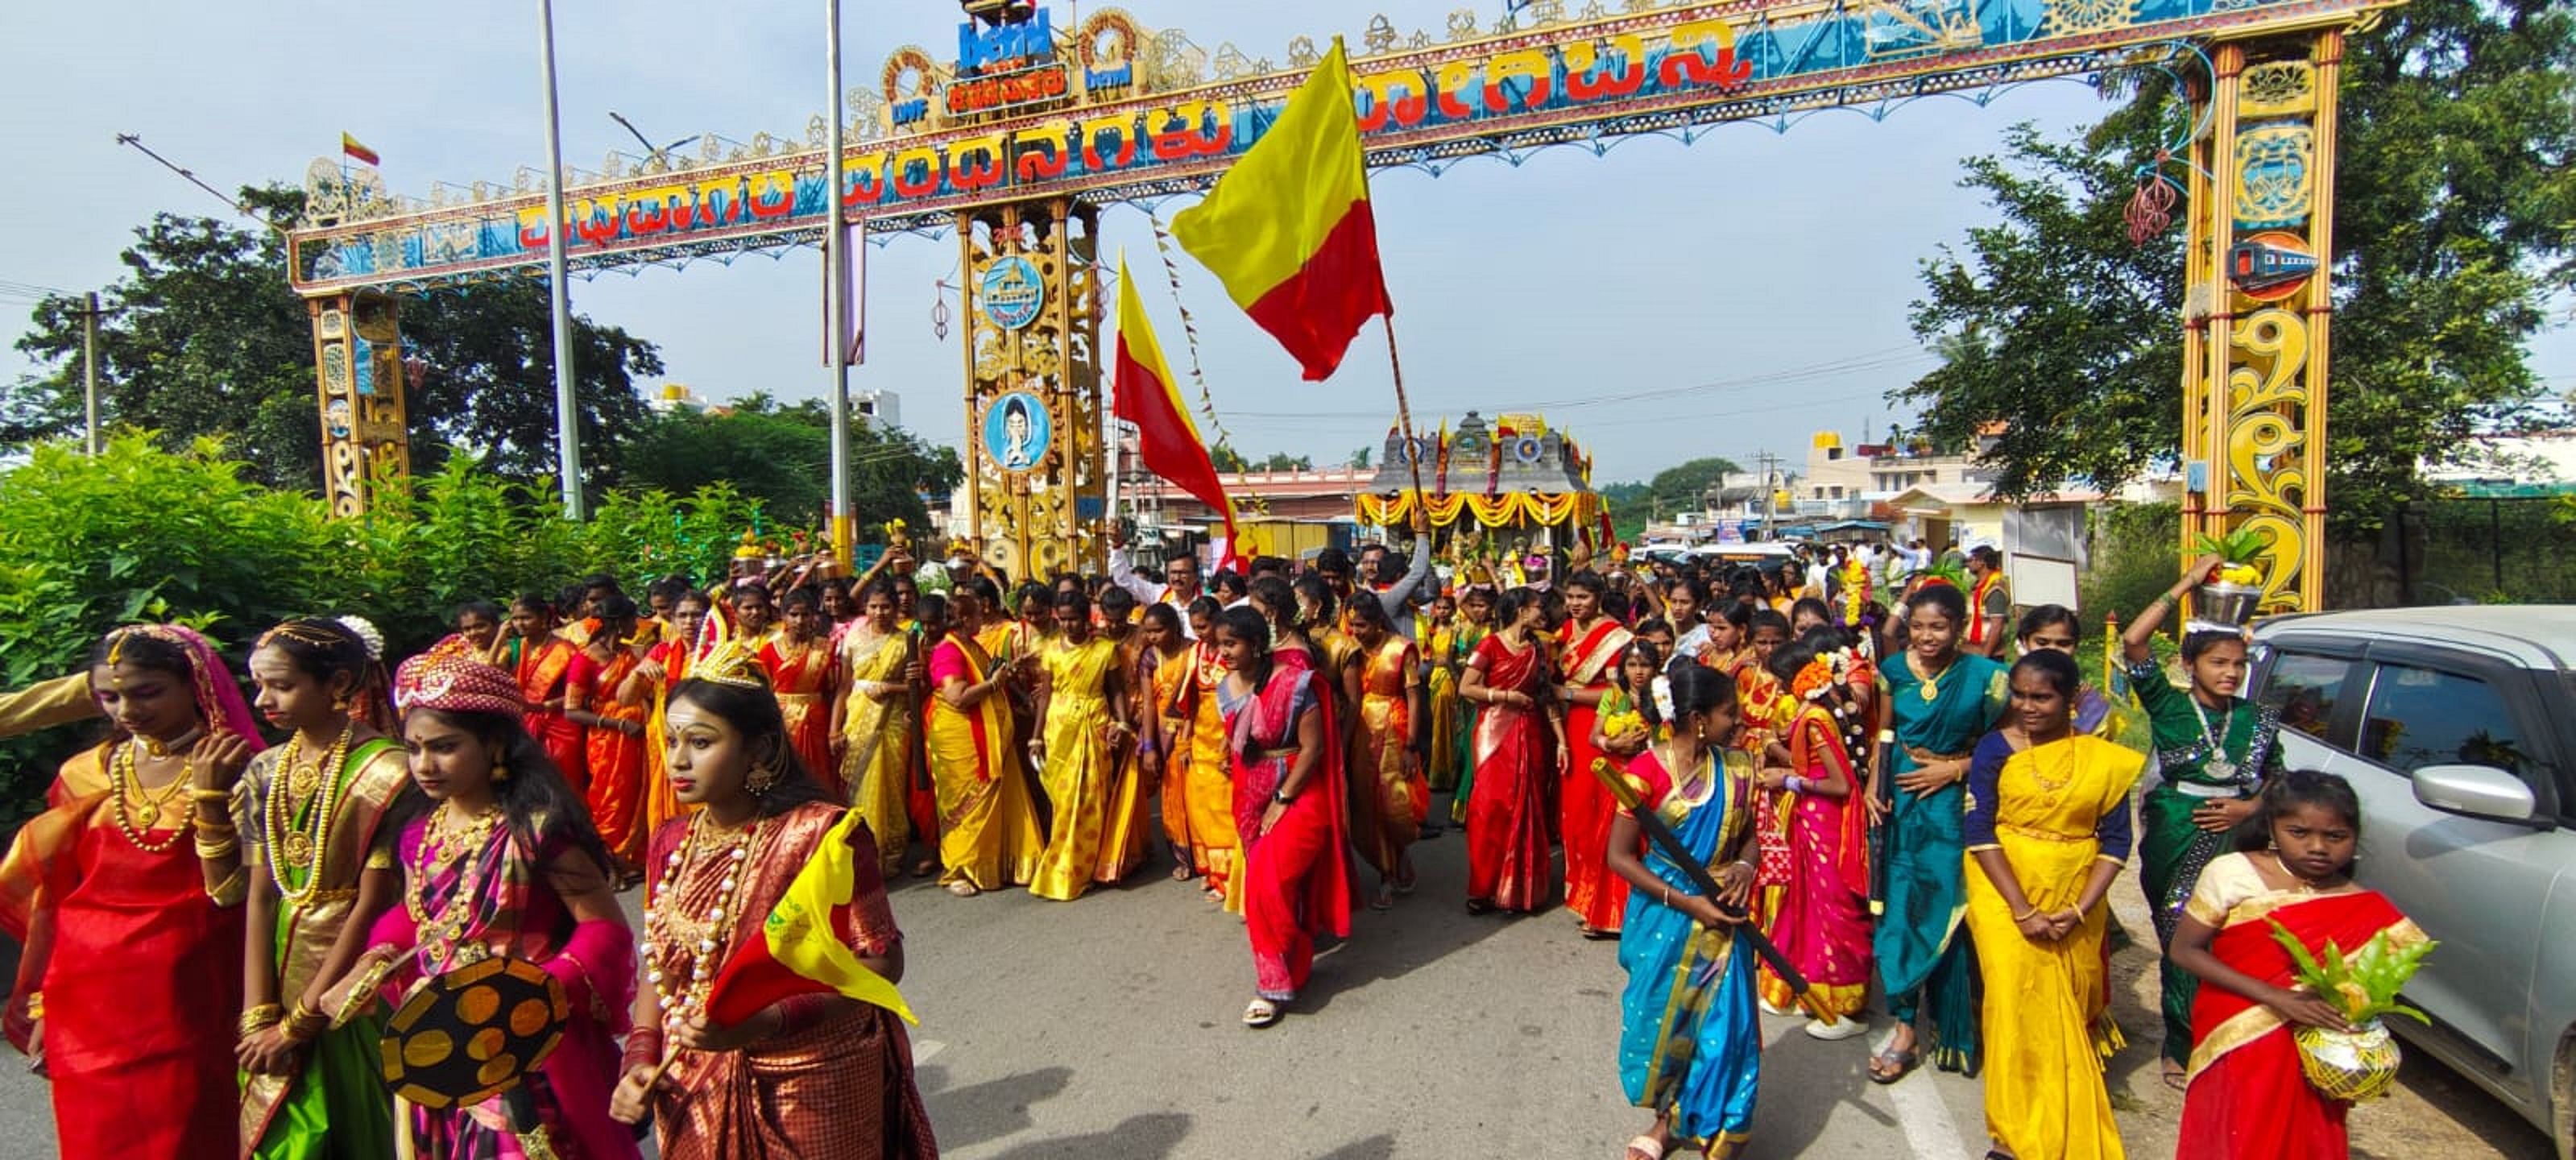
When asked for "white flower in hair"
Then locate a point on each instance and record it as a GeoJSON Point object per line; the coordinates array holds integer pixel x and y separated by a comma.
{"type": "Point", "coordinates": [365, 631]}
{"type": "Point", "coordinates": [1662, 689]}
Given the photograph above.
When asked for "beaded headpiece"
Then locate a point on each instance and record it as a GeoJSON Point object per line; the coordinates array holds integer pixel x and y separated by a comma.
{"type": "Point", "coordinates": [453, 683]}
{"type": "Point", "coordinates": [733, 663]}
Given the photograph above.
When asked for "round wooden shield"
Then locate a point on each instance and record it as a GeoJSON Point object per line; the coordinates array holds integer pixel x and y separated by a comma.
{"type": "Point", "coordinates": [469, 1035]}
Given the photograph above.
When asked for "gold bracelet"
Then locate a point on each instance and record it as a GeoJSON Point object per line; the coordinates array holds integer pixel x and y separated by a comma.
{"type": "Point", "coordinates": [211, 851]}
{"type": "Point", "coordinates": [210, 795]}
{"type": "Point", "coordinates": [260, 1018]}
{"type": "Point", "coordinates": [2026, 916]}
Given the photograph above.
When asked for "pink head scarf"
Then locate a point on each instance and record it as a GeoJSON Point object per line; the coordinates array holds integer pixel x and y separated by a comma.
{"type": "Point", "coordinates": [219, 699]}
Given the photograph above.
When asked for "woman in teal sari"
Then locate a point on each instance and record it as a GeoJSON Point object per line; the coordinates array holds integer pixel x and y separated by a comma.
{"type": "Point", "coordinates": [1690, 1042]}
{"type": "Point", "coordinates": [2213, 752]}
{"type": "Point", "coordinates": [1943, 701]}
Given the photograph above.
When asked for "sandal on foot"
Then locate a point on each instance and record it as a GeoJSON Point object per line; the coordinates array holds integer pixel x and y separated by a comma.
{"type": "Point", "coordinates": [1891, 1065]}
{"type": "Point", "coordinates": [1260, 1013]}
{"type": "Point", "coordinates": [2176, 1077]}
{"type": "Point", "coordinates": [963, 889]}
{"type": "Point", "coordinates": [1598, 934]}
{"type": "Point", "coordinates": [1384, 899]}
{"type": "Point", "coordinates": [1645, 1148]}
{"type": "Point", "coordinates": [925, 868]}
{"type": "Point", "coordinates": [1183, 873]}
{"type": "Point", "coordinates": [1480, 906]}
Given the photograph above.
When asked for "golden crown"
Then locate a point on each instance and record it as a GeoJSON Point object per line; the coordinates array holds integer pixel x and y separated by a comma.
{"type": "Point", "coordinates": [732, 662]}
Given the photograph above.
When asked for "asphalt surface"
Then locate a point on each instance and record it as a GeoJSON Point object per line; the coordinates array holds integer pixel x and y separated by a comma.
{"type": "Point", "coordinates": [1108, 1027]}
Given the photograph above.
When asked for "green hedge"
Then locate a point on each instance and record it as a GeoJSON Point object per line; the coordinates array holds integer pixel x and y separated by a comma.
{"type": "Point", "coordinates": [141, 534]}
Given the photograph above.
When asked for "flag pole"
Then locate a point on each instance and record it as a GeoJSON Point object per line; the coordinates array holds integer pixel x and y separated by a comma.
{"type": "Point", "coordinates": [1404, 419]}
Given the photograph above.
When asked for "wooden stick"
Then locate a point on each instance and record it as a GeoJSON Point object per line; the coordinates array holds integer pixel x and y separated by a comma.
{"type": "Point", "coordinates": [1404, 419]}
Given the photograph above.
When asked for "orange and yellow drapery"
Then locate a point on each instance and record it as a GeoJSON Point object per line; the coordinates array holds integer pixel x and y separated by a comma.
{"type": "Point", "coordinates": [1581, 508]}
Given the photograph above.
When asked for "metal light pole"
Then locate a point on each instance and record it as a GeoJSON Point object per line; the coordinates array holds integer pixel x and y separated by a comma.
{"type": "Point", "coordinates": [836, 296]}
{"type": "Point", "coordinates": [89, 368]}
{"type": "Point", "coordinates": [567, 404]}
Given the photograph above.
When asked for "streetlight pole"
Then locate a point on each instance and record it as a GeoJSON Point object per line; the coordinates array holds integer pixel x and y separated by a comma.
{"type": "Point", "coordinates": [567, 402]}
{"type": "Point", "coordinates": [89, 368]}
{"type": "Point", "coordinates": [836, 294]}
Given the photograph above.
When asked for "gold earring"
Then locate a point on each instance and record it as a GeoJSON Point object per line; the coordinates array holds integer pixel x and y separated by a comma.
{"type": "Point", "coordinates": [500, 772]}
{"type": "Point", "coordinates": [764, 777]}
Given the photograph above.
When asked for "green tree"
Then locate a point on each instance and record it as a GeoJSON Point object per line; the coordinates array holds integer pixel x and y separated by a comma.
{"type": "Point", "coordinates": [204, 337]}
{"type": "Point", "coordinates": [2455, 192]}
{"type": "Point", "coordinates": [1360, 458]}
{"type": "Point", "coordinates": [1681, 487]}
{"type": "Point", "coordinates": [1226, 458]}
{"type": "Point", "coordinates": [780, 455]}
{"type": "Point", "coordinates": [1282, 461]}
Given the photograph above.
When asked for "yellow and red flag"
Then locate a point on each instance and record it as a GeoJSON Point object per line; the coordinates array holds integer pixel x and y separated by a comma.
{"type": "Point", "coordinates": [1148, 397]}
{"type": "Point", "coordinates": [350, 146]}
{"type": "Point", "coordinates": [1288, 228]}
{"type": "Point", "coordinates": [800, 950]}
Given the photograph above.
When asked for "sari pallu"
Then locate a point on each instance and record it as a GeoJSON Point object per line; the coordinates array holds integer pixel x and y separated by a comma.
{"type": "Point", "coordinates": [1507, 839]}
{"type": "Point", "coordinates": [988, 838]}
{"type": "Point", "coordinates": [2054, 811]}
{"type": "Point", "coordinates": [1440, 703]}
{"type": "Point", "coordinates": [1096, 835]}
{"type": "Point", "coordinates": [543, 669]}
{"type": "Point", "coordinates": [139, 973]}
{"type": "Point", "coordinates": [801, 677]}
{"type": "Point", "coordinates": [1388, 804]}
{"type": "Point", "coordinates": [1207, 776]}
{"type": "Point", "coordinates": [2171, 849]}
{"type": "Point", "coordinates": [1297, 877]}
{"type": "Point", "coordinates": [616, 757]}
{"type": "Point", "coordinates": [656, 802]}
{"type": "Point", "coordinates": [1690, 1042]}
{"type": "Point", "coordinates": [877, 740]}
{"type": "Point", "coordinates": [1171, 740]}
{"type": "Point", "coordinates": [839, 1083]}
{"type": "Point", "coordinates": [1921, 958]}
{"type": "Point", "coordinates": [336, 1105]}
{"type": "Point", "coordinates": [1592, 892]}
{"type": "Point", "coordinates": [1820, 916]}
{"type": "Point", "coordinates": [2248, 1096]}
{"type": "Point", "coordinates": [1464, 726]}
{"type": "Point", "coordinates": [500, 897]}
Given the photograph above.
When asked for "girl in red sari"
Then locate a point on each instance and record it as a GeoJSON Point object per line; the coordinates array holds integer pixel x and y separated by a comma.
{"type": "Point", "coordinates": [1507, 848]}
{"type": "Point", "coordinates": [799, 660]}
{"type": "Point", "coordinates": [542, 663]}
{"type": "Point", "coordinates": [1588, 667]}
{"type": "Point", "coordinates": [131, 975]}
{"type": "Point", "coordinates": [1288, 808]}
{"type": "Point", "coordinates": [613, 732]}
{"type": "Point", "coordinates": [2247, 1096]}
{"type": "Point", "coordinates": [1819, 914]}
{"type": "Point", "coordinates": [818, 1075]}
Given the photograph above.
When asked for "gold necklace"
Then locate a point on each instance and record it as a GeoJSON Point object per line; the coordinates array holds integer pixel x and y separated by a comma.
{"type": "Point", "coordinates": [701, 942]}
{"type": "Point", "coordinates": [444, 839]}
{"type": "Point", "coordinates": [442, 845]}
{"type": "Point", "coordinates": [137, 819]}
{"type": "Point", "coordinates": [1931, 681]}
{"type": "Point", "coordinates": [2305, 885]}
{"type": "Point", "coordinates": [299, 844]}
{"type": "Point", "coordinates": [2065, 769]}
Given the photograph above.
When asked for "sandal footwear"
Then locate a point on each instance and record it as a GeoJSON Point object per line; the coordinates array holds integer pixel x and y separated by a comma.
{"type": "Point", "coordinates": [1891, 1065]}
{"type": "Point", "coordinates": [1645, 1147]}
{"type": "Point", "coordinates": [925, 868]}
{"type": "Point", "coordinates": [2176, 1077]}
{"type": "Point", "coordinates": [963, 889]}
{"type": "Point", "coordinates": [1384, 899]}
{"type": "Point", "coordinates": [1183, 873]}
{"type": "Point", "coordinates": [1480, 906]}
{"type": "Point", "coordinates": [1260, 1013]}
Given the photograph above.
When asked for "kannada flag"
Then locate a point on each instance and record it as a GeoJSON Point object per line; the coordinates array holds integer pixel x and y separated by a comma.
{"type": "Point", "coordinates": [1146, 396]}
{"type": "Point", "coordinates": [1288, 229]}
{"type": "Point", "coordinates": [800, 950]}
{"type": "Point", "coordinates": [350, 146]}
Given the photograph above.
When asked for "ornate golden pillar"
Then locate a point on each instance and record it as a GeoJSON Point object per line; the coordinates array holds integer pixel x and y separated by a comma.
{"type": "Point", "coordinates": [1036, 482]}
{"type": "Point", "coordinates": [366, 436]}
{"type": "Point", "coordinates": [2258, 300]}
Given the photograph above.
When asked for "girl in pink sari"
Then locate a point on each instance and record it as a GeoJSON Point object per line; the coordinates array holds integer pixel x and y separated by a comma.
{"type": "Point", "coordinates": [1288, 807]}
{"type": "Point", "coordinates": [506, 863]}
{"type": "Point", "coordinates": [1820, 918]}
{"type": "Point", "coordinates": [1507, 816]}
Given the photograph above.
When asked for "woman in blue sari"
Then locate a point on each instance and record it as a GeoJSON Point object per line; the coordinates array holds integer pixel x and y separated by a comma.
{"type": "Point", "coordinates": [1943, 701]}
{"type": "Point", "coordinates": [1690, 1042]}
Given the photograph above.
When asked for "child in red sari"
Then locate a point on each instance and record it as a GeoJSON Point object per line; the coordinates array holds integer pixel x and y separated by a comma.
{"type": "Point", "coordinates": [2247, 1096]}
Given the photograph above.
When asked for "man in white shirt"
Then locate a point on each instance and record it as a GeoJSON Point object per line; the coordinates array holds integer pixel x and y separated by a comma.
{"type": "Point", "coordinates": [1395, 593]}
{"type": "Point", "coordinates": [1180, 581]}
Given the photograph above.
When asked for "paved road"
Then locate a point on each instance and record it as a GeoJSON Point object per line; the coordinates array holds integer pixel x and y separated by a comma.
{"type": "Point", "coordinates": [1107, 1028]}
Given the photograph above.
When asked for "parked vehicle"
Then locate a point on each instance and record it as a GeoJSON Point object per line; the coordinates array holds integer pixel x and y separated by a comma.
{"type": "Point", "coordinates": [2457, 728]}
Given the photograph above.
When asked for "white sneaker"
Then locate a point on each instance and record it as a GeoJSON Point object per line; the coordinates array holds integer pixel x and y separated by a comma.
{"type": "Point", "coordinates": [1847, 1027]}
{"type": "Point", "coordinates": [1768, 1009]}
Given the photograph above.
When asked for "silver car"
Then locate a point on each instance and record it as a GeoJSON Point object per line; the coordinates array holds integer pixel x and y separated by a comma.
{"type": "Point", "coordinates": [2457, 728]}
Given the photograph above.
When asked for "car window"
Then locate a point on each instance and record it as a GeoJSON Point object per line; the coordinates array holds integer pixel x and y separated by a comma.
{"type": "Point", "coordinates": [2420, 717]}
{"type": "Point", "coordinates": [2304, 689]}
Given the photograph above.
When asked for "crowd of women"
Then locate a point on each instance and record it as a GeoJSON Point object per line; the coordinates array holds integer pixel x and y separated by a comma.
{"type": "Point", "coordinates": [214, 925]}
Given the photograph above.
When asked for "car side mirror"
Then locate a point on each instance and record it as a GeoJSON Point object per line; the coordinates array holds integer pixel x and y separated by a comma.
{"type": "Point", "coordinates": [2477, 791]}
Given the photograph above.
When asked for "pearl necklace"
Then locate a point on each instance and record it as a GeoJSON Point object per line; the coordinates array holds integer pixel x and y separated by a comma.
{"type": "Point", "coordinates": [121, 781]}
{"type": "Point", "coordinates": [703, 941]}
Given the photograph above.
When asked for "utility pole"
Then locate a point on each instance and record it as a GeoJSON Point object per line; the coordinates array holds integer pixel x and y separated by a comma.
{"type": "Point", "coordinates": [567, 403]}
{"type": "Point", "coordinates": [1770, 489]}
{"type": "Point", "coordinates": [836, 295]}
{"type": "Point", "coordinates": [89, 369]}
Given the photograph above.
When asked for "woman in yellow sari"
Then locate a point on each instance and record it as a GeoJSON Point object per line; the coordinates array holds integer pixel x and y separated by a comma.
{"type": "Point", "coordinates": [1099, 829]}
{"type": "Point", "coordinates": [1193, 741]}
{"type": "Point", "coordinates": [1383, 766]}
{"type": "Point", "coordinates": [873, 722]}
{"type": "Point", "coordinates": [988, 835]}
{"type": "Point", "coordinates": [1441, 657]}
{"type": "Point", "coordinates": [2047, 830]}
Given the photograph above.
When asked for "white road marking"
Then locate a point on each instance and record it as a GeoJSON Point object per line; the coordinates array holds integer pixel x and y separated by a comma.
{"type": "Point", "coordinates": [924, 1049]}
{"type": "Point", "coordinates": [1929, 1130]}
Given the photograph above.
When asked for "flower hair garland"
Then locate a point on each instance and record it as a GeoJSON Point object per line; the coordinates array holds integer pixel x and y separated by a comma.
{"type": "Point", "coordinates": [1661, 688]}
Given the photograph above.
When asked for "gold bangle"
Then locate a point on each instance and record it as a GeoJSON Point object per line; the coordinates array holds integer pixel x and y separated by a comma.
{"type": "Point", "coordinates": [211, 851]}
{"type": "Point", "coordinates": [210, 795]}
{"type": "Point", "coordinates": [2027, 915]}
{"type": "Point", "coordinates": [260, 1018]}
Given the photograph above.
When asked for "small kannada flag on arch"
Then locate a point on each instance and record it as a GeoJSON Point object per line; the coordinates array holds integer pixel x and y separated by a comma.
{"type": "Point", "coordinates": [350, 146]}
{"type": "Point", "coordinates": [1288, 228]}
{"type": "Point", "coordinates": [800, 950]}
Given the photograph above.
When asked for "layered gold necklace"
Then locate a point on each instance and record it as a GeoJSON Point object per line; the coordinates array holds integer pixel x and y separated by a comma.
{"type": "Point", "coordinates": [302, 802]}
{"type": "Point", "coordinates": [137, 813]}
{"type": "Point", "coordinates": [674, 938]}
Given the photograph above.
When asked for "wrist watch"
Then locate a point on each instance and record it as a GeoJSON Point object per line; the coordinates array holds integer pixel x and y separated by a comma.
{"type": "Point", "coordinates": [1282, 798]}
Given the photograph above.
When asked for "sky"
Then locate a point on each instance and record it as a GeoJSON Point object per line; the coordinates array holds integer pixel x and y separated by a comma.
{"type": "Point", "coordinates": [1753, 285]}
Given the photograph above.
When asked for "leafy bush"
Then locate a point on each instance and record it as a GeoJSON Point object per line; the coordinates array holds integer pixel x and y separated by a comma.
{"type": "Point", "coordinates": [142, 534]}
{"type": "Point", "coordinates": [2137, 553]}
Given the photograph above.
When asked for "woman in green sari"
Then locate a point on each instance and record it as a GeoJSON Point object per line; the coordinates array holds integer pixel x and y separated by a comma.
{"type": "Point", "coordinates": [1943, 702]}
{"type": "Point", "coordinates": [2213, 752]}
{"type": "Point", "coordinates": [311, 813]}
